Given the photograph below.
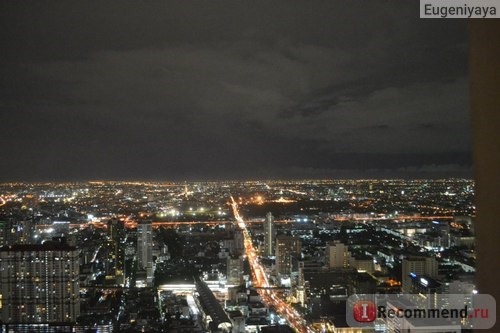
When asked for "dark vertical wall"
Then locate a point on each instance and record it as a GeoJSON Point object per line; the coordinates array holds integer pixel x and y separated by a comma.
{"type": "Point", "coordinates": [484, 42]}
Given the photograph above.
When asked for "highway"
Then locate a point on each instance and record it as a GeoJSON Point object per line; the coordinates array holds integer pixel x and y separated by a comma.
{"type": "Point", "coordinates": [259, 279]}
{"type": "Point", "coordinates": [132, 224]}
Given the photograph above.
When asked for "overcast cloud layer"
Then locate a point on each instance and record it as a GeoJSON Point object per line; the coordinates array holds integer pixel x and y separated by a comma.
{"type": "Point", "coordinates": [178, 90]}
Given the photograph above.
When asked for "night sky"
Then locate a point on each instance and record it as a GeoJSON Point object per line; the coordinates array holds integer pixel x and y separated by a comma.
{"type": "Point", "coordinates": [212, 90]}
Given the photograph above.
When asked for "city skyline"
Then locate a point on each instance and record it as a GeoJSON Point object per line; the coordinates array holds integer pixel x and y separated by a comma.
{"type": "Point", "coordinates": [185, 90]}
{"type": "Point", "coordinates": [239, 257]}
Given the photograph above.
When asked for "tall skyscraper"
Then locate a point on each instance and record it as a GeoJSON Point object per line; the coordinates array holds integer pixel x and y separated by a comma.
{"type": "Point", "coordinates": [269, 235]}
{"type": "Point", "coordinates": [115, 232]}
{"type": "Point", "coordinates": [39, 283]}
{"type": "Point", "coordinates": [234, 270]}
{"type": "Point", "coordinates": [337, 255]}
{"type": "Point", "coordinates": [417, 265]}
{"type": "Point", "coordinates": [239, 242]}
{"type": "Point", "coordinates": [145, 249]}
{"type": "Point", "coordinates": [287, 248]}
{"type": "Point", "coordinates": [300, 292]}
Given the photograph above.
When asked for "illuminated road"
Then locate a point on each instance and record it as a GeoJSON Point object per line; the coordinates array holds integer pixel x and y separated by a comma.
{"type": "Point", "coordinates": [174, 224]}
{"type": "Point", "coordinates": [132, 224]}
{"type": "Point", "coordinates": [259, 279]}
{"type": "Point", "coordinates": [395, 218]}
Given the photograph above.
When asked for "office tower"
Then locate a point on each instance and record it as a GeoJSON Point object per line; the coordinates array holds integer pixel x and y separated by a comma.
{"type": "Point", "coordinates": [337, 255]}
{"type": "Point", "coordinates": [115, 231]}
{"type": "Point", "coordinates": [287, 247]}
{"type": "Point", "coordinates": [145, 250]}
{"type": "Point", "coordinates": [39, 283]}
{"type": "Point", "coordinates": [417, 266]}
{"type": "Point", "coordinates": [239, 242]}
{"type": "Point", "coordinates": [269, 235]}
{"type": "Point", "coordinates": [28, 231]}
{"type": "Point", "coordinates": [234, 270]}
{"type": "Point", "coordinates": [300, 292]}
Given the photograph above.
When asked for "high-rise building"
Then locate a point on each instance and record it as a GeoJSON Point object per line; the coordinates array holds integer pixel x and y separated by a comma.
{"type": "Point", "coordinates": [115, 232]}
{"type": "Point", "coordinates": [300, 292]}
{"type": "Point", "coordinates": [337, 255]}
{"type": "Point", "coordinates": [287, 247]}
{"type": "Point", "coordinates": [39, 283]}
{"type": "Point", "coordinates": [234, 270]}
{"type": "Point", "coordinates": [145, 250]}
{"type": "Point", "coordinates": [269, 235]}
{"type": "Point", "coordinates": [417, 266]}
{"type": "Point", "coordinates": [239, 242]}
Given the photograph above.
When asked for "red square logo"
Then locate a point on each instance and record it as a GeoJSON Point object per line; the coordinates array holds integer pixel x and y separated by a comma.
{"type": "Point", "coordinates": [364, 311]}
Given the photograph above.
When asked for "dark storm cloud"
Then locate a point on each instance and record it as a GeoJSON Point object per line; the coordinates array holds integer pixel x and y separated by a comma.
{"type": "Point", "coordinates": [225, 89]}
